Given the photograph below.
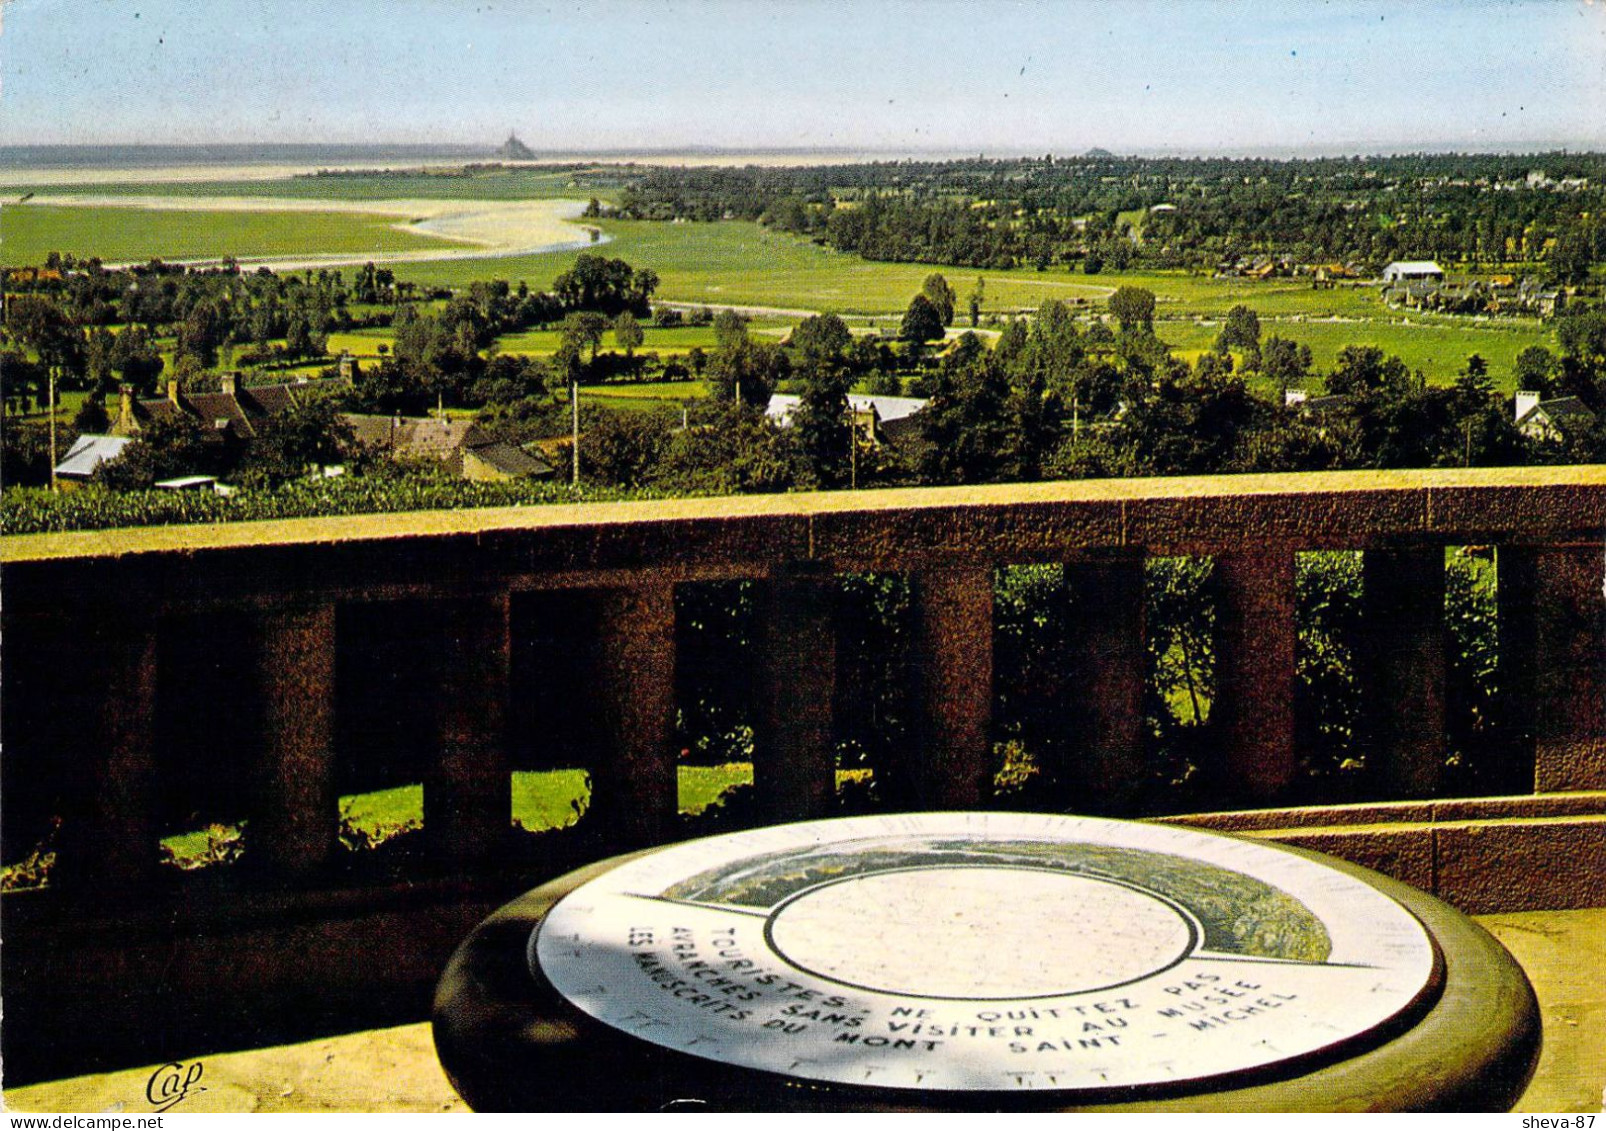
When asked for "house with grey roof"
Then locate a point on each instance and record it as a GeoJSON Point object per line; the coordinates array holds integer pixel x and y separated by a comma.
{"type": "Point", "coordinates": [462, 447]}
{"type": "Point", "coordinates": [879, 418]}
{"type": "Point", "coordinates": [1550, 420]}
{"type": "Point", "coordinates": [1412, 271]}
{"type": "Point", "coordinates": [87, 453]}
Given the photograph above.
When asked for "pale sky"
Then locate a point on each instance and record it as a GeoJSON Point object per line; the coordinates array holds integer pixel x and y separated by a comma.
{"type": "Point", "coordinates": [993, 76]}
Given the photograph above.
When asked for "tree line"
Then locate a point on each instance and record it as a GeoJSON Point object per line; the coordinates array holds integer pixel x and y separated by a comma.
{"type": "Point", "coordinates": [1478, 210]}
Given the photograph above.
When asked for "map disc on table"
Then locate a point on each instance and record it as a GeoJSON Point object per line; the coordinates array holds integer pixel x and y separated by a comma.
{"type": "Point", "coordinates": [990, 952]}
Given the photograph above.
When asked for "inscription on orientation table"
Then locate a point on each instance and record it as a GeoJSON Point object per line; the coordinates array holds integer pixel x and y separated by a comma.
{"type": "Point", "coordinates": [985, 951]}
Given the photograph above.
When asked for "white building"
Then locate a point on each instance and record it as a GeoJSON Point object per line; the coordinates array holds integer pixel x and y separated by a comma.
{"type": "Point", "coordinates": [1413, 271]}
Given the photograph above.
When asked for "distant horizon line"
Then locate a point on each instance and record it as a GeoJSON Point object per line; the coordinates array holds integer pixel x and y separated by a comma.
{"type": "Point", "coordinates": [11, 153]}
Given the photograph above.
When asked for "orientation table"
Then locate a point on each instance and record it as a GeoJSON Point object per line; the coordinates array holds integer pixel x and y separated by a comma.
{"type": "Point", "coordinates": [982, 961]}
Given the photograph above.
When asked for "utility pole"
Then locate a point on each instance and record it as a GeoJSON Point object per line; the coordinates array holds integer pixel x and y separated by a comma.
{"type": "Point", "coordinates": [574, 405]}
{"type": "Point", "coordinates": [853, 451]}
{"type": "Point", "coordinates": [52, 427]}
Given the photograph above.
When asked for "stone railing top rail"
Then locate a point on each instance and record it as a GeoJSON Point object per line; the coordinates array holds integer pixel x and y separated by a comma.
{"type": "Point", "coordinates": [1004, 522]}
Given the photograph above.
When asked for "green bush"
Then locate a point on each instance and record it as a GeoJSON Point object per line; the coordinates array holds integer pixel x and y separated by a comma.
{"type": "Point", "coordinates": [35, 510]}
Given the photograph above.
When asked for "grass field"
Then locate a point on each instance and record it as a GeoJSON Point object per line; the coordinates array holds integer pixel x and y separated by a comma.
{"type": "Point", "coordinates": [647, 396]}
{"type": "Point", "coordinates": [656, 339]}
{"type": "Point", "coordinates": [1439, 350]}
{"type": "Point", "coordinates": [546, 799]}
{"type": "Point", "coordinates": [361, 343]}
{"type": "Point", "coordinates": [487, 184]}
{"type": "Point", "coordinates": [29, 233]}
{"type": "Point", "coordinates": [542, 800]}
{"type": "Point", "coordinates": [742, 264]}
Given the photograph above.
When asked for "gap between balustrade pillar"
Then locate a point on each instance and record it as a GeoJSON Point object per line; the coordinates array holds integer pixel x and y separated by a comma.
{"type": "Point", "coordinates": [634, 797]}
{"type": "Point", "coordinates": [1403, 666]}
{"type": "Point", "coordinates": [1106, 669]}
{"type": "Point", "coordinates": [953, 657]}
{"type": "Point", "coordinates": [108, 840]}
{"type": "Point", "coordinates": [1553, 656]}
{"type": "Point", "coordinates": [295, 830]}
{"type": "Point", "coordinates": [468, 797]}
{"type": "Point", "coordinates": [794, 755]}
{"type": "Point", "coordinates": [1252, 718]}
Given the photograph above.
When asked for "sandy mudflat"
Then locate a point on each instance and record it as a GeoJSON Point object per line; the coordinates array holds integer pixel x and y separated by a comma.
{"type": "Point", "coordinates": [167, 174]}
{"type": "Point", "coordinates": [497, 228]}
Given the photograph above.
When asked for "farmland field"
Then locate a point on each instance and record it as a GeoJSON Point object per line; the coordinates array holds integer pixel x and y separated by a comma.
{"type": "Point", "coordinates": [657, 339]}
{"type": "Point", "coordinates": [736, 263]}
{"type": "Point", "coordinates": [743, 264]}
{"type": "Point", "coordinates": [1438, 349]}
{"type": "Point", "coordinates": [30, 232]}
{"type": "Point", "coordinates": [484, 184]}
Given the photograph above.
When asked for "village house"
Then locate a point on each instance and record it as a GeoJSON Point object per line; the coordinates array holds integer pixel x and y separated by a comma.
{"type": "Point", "coordinates": [229, 417]}
{"type": "Point", "coordinates": [1412, 271]}
{"type": "Point", "coordinates": [232, 417]}
{"type": "Point", "coordinates": [879, 419]}
{"type": "Point", "coordinates": [462, 447]}
{"type": "Point", "coordinates": [87, 453]}
{"type": "Point", "coordinates": [1549, 420]}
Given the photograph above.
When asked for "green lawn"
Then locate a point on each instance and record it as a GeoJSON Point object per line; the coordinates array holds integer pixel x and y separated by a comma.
{"type": "Point", "coordinates": [361, 343]}
{"type": "Point", "coordinates": [30, 232]}
{"type": "Point", "coordinates": [736, 263]}
{"type": "Point", "coordinates": [656, 339]}
{"type": "Point", "coordinates": [486, 184]}
{"type": "Point", "coordinates": [743, 264]}
{"type": "Point", "coordinates": [542, 800]}
{"type": "Point", "coordinates": [1439, 349]}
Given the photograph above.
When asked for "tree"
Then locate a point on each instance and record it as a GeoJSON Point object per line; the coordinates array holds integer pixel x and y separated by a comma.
{"type": "Point", "coordinates": [1570, 258]}
{"type": "Point", "coordinates": [607, 286]}
{"type": "Point", "coordinates": [583, 331]}
{"type": "Point", "coordinates": [922, 322]}
{"type": "Point", "coordinates": [821, 338]}
{"type": "Point", "coordinates": [965, 427]}
{"type": "Point", "coordinates": [92, 416]}
{"type": "Point", "coordinates": [941, 296]}
{"type": "Point", "coordinates": [1241, 331]}
{"type": "Point", "coordinates": [623, 448]}
{"type": "Point", "coordinates": [290, 443]}
{"type": "Point", "coordinates": [823, 426]}
{"type": "Point", "coordinates": [1366, 371]}
{"type": "Point", "coordinates": [1286, 362]}
{"type": "Point", "coordinates": [627, 333]}
{"type": "Point", "coordinates": [99, 360]}
{"type": "Point", "coordinates": [199, 334]}
{"type": "Point", "coordinates": [1535, 370]}
{"type": "Point", "coordinates": [977, 296]}
{"type": "Point", "coordinates": [1582, 334]}
{"type": "Point", "coordinates": [1133, 308]}
{"type": "Point", "coordinates": [166, 447]}
{"type": "Point", "coordinates": [730, 328]}
{"type": "Point", "coordinates": [729, 449]}
{"type": "Point", "coordinates": [747, 371]}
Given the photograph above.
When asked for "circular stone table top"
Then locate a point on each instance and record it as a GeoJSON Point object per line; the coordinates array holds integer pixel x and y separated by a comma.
{"type": "Point", "coordinates": [953, 960]}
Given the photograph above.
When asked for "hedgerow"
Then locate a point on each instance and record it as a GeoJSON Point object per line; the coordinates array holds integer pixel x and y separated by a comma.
{"type": "Point", "coordinates": [25, 510]}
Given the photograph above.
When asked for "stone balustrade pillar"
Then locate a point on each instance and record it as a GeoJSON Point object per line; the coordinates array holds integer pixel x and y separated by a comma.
{"type": "Point", "coordinates": [468, 799]}
{"type": "Point", "coordinates": [953, 659]}
{"type": "Point", "coordinates": [1402, 666]}
{"type": "Point", "coordinates": [1253, 714]}
{"type": "Point", "coordinates": [794, 756]}
{"type": "Point", "coordinates": [1553, 657]}
{"type": "Point", "coordinates": [1106, 669]}
{"type": "Point", "coordinates": [294, 831]}
{"type": "Point", "coordinates": [635, 786]}
{"type": "Point", "coordinates": [108, 839]}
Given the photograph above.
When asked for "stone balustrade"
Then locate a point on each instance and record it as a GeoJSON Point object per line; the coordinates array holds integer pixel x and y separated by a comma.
{"type": "Point", "coordinates": [87, 617]}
